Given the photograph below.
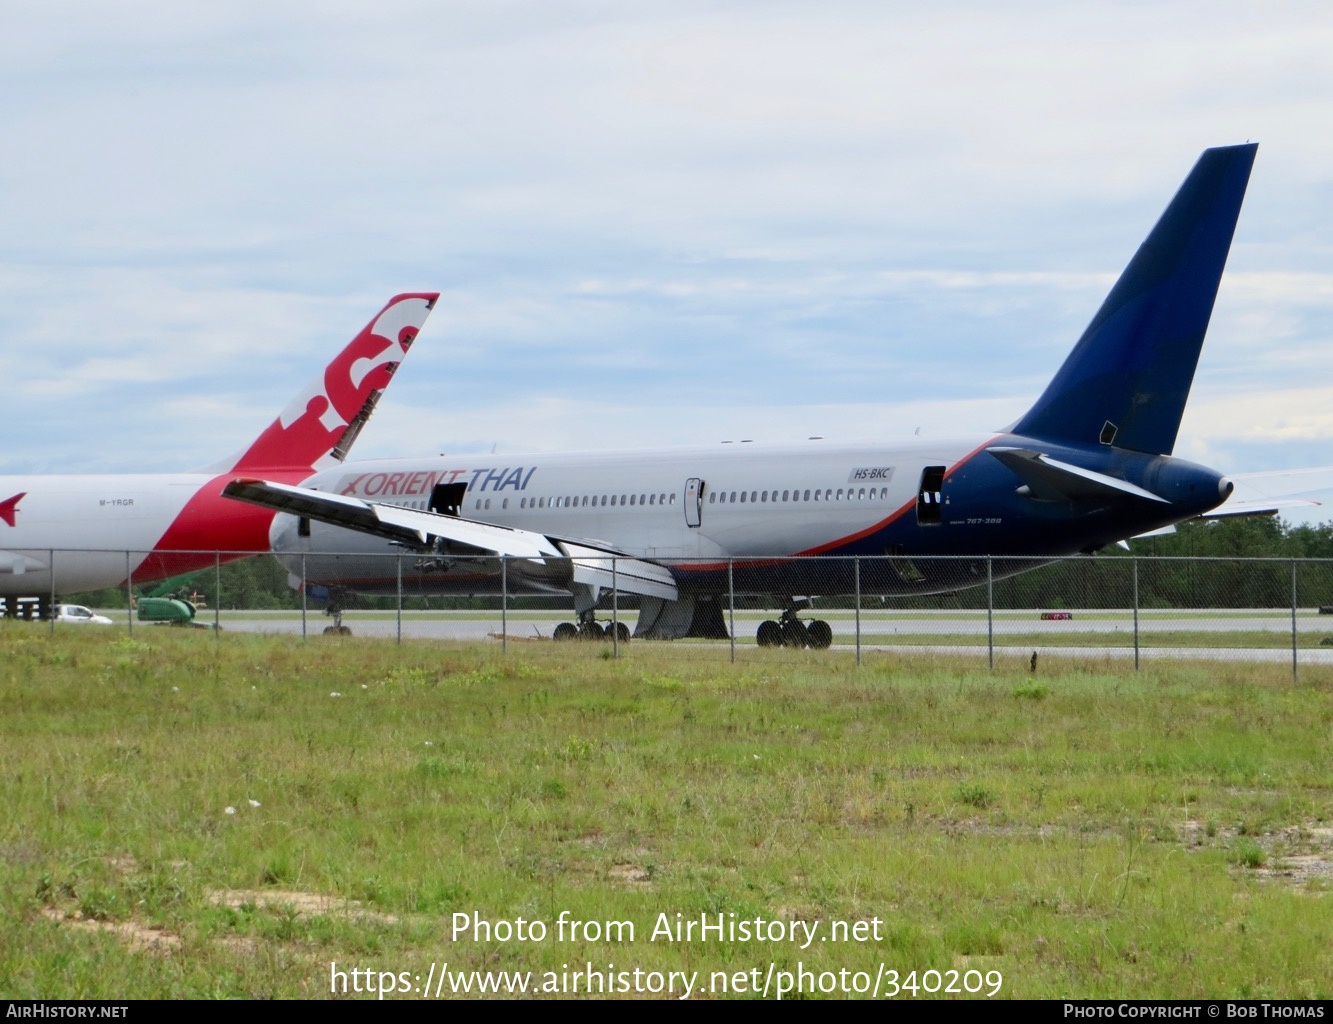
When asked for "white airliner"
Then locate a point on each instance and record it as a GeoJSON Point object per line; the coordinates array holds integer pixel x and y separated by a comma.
{"type": "Point", "coordinates": [64, 534]}
{"type": "Point", "coordinates": [1088, 465]}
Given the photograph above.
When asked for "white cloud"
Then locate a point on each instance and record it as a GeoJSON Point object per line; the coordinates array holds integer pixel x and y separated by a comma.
{"type": "Point", "coordinates": [650, 222]}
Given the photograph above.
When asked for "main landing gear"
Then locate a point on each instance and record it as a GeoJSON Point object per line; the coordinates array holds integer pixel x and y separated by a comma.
{"type": "Point", "coordinates": [588, 628]}
{"type": "Point", "coordinates": [789, 631]}
{"type": "Point", "coordinates": [335, 609]}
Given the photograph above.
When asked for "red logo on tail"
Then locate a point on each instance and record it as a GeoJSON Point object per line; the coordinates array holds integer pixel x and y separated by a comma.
{"type": "Point", "coordinates": [9, 508]}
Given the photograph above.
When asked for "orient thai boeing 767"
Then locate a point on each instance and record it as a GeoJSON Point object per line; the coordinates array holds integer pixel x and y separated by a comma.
{"type": "Point", "coordinates": [64, 534]}
{"type": "Point", "coordinates": [1088, 465]}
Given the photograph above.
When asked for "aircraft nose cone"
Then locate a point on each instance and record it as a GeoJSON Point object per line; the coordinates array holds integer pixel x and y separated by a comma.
{"type": "Point", "coordinates": [1224, 488]}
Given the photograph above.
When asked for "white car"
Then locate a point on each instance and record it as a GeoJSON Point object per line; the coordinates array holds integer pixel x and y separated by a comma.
{"type": "Point", "coordinates": [78, 613]}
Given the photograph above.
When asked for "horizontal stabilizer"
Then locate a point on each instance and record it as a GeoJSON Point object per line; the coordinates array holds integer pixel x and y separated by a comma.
{"type": "Point", "coordinates": [1269, 491]}
{"type": "Point", "coordinates": [1048, 479]}
{"type": "Point", "coordinates": [19, 562]}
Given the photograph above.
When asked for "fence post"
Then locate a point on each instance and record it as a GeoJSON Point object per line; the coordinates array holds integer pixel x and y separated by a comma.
{"type": "Point", "coordinates": [857, 565]}
{"type": "Point", "coordinates": [51, 561]}
{"type": "Point", "coordinates": [1293, 620]}
{"type": "Point", "coordinates": [398, 590]}
{"type": "Point", "coordinates": [303, 597]}
{"type": "Point", "coordinates": [990, 611]}
{"type": "Point", "coordinates": [615, 610]}
{"type": "Point", "coordinates": [217, 593]}
{"type": "Point", "coordinates": [731, 608]}
{"type": "Point", "coordinates": [1135, 560]}
{"type": "Point", "coordinates": [504, 604]}
{"type": "Point", "coordinates": [129, 594]}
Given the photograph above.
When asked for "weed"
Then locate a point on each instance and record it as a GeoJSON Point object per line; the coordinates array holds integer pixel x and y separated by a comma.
{"type": "Point", "coordinates": [1249, 854]}
{"type": "Point", "coordinates": [974, 794]}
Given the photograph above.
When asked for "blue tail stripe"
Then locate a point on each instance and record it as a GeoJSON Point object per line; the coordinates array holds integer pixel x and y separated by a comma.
{"type": "Point", "coordinates": [1134, 364]}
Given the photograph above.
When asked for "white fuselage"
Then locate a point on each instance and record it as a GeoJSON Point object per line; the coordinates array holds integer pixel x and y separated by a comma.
{"type": "Point", "coordinates": [734, 500]}
{"type": "Point", "coordinates": [88, 532]}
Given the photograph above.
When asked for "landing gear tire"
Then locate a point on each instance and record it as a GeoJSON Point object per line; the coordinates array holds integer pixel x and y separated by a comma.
{"type": "Point", "coordinates": [795, 634]}
{"type": "Point", "coordinates": [591, 631]}
{"type": "Point", "coordinates": [820, 634]}
{"type": "Point", "coordinates": [565, 631]}
{"type": "Point", "coordinates": [769, 634]}
{"type": "Point", "coordinates": [337, 630]}
{"type": "Point", "coordinates": [622, 633]}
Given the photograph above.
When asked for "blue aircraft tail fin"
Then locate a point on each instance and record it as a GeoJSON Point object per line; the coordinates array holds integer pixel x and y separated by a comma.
{"type": "Point", "coordinates": [1126, 381]}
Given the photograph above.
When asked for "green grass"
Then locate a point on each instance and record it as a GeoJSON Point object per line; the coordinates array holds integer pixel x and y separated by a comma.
{"type": "Point", "coordinates": [1088, 832]}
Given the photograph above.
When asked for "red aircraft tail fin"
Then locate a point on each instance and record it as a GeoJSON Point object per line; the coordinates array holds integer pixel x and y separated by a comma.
{"type": "Point", "coordinates": [321, 423]}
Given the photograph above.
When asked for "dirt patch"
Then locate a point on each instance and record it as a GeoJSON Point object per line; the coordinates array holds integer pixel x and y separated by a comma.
{"type": "Point", "coordinates": [1298, 855]}
{"type": "Point", "coordinates": [145, 938]}
{"type": "Point", "coordinates": [302, 904]}
{"type": "Point", "coordinates": [140, 938]}
{"type": "Point", "coordinates": [630, 874]}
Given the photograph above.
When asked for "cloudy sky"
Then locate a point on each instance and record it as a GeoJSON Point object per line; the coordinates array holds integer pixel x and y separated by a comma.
{"type": "Point", "coordinates": [651, 222]}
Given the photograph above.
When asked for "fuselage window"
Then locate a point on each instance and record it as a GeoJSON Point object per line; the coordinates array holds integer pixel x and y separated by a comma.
{"type": "Point", "coordinates": [622, 499]}
{"type": "Point", "coordinates": [673, 497]}
{"type": "Point", "coordinates": [478, 503]}
{"type": "Point", "coordinates": [742, 497]}
{"type": "Point", "coordinates": [652, 499]}
{"type": "Point", "coordinates": [642, 500]}
{"type": "Point", "coordinates": [828, 494]}
{"type": "Point", "coordinates": [784, 495]}
{"type": "Point", "coordinates": [505, 503]}
{"type": "Point", "coordinates": [603, 505]}
{"type": "Point", "coordinates": [613, 501]}
{"type": "Point", "coordinates": [712, 497]}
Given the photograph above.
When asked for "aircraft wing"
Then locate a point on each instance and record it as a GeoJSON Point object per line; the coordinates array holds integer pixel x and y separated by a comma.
{"type": "Point", "coordinates": [1264, 493]}
{"type": "Point", "coordinates": [583, 561]}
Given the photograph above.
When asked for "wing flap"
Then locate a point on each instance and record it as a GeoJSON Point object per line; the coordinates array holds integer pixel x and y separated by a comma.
{"type": "Point", "coordinates": [603, 569]}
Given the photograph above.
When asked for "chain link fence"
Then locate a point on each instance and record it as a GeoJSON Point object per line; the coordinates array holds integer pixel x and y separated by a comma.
{"type": "Point", "coordinates": [987, 611]}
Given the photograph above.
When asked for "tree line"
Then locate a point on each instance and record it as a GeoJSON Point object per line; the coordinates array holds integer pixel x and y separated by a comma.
{"type": "Point", "coordinates": [1201, 565]}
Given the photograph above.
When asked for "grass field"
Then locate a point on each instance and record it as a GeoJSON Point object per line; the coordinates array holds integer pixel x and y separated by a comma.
{"type": "Point", "coordinates": [195, 816]}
